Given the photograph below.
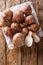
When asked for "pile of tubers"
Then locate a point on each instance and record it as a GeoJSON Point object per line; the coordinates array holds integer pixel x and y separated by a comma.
{"type": "Point", "coordinates": [20, 26]}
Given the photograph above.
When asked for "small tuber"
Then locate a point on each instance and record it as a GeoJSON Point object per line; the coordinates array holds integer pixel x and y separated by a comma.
{"type": "Point", "coordinates": [8, 15]}
{"type": "Point", "coordinates": [8, 31]}
{"type": "Point", "coordinates": [29, 19]}
{"type": "Point", "coordinates": [26, 9]}
{"type": "Point", "coordinates": [15, 27]}
{"type": "Point", "coordinates": [25, 31]}
{"type": "Point", "coordinates": [33, 27]}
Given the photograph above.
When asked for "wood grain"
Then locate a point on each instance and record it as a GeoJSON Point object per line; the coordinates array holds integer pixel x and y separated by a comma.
{"type": "Point", "coordinates": [2, 5]}
{"type": "Point", "coordinates": [29, 55]}
{"type": "Point", "coordinates": [14, 57]}
{"type": "Point", "coordinates": [41, 4]}
{"type": "Point", "coordinates": [2, 40]}
{"type": "Point", "coordinates": [40, 44]}
{"type": "Point", "coordinates": [40, 52]}
{"type": "Point", "coordinates": [2, 49]}
{"type": "Point", "coordinates": [10, 3]}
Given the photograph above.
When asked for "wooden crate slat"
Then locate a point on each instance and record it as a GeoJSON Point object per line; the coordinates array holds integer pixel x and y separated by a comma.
{"type": "Point", "coordinates": [2, 40]}
{"type": "Point", "coordinates": [40, 52]}
{"type": "Point", "coordinates": [2, 49]}
{"type": "Point", "coordinates": [10, 3]}
{"type": "Point", "coordinates": [2, 5]}
{"type": "Point", "coordinates": [40, 44]}
{"type": "Point", "coordinates": [14, 57]}
{"type": "Point", "coordinates": [29, 55]}
{"type": "Point", "coordinates": [41, 4]}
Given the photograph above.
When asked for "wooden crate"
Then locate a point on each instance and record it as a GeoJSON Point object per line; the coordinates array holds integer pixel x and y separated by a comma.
{"type": "Point", "coordinates": [23, 55]}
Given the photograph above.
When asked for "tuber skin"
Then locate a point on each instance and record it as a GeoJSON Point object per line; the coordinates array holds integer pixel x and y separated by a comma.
{"type": "Point", "coordinates": [26, 9]}
{"type": "Point", "coordinates": [29, 19]}
{"type": "Point", "coordinates": [24, 24]}
{"type": "Point", "coordinates": [8, 15]}
{"type": "Point", "coordinates": [8, 31]}
{"type": "Point", "coordinates": [3, 21]}
{"type": "Point", "coordinates": [18, 39]}
{"type": "Point", "coordinates": [33, 27]}
{"type": "Point", "coordinates": [17, 16]}
{"type": "Point", "coordinates": [25, 31]}
{"type": "Point", "coordinates": [15, 27]}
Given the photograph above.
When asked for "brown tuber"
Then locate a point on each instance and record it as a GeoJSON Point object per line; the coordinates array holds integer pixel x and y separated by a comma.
{"type": "Point", "coordinates": [26, 9]}
{"type": "Point", "coordinates": [25, 31]}
{"type": "Point", "coordinates": [18, 39]}
{"type": "Point", "coordinates": [3, 21]}
{"type": "Point", "coordinates": [29, 19]}
{"type": "Point", "coordinates": [17, 16]}
{"type": "Point", "coordinates": [8, 31]}
{"type": "Point", "coordinates": [8, 15]}
{"type": "Point", "coordinates": [24, 24]}
{"type": "Point", "coordinates": [15, 26]}
{"type": "Point", "coordinates": [33, 27]}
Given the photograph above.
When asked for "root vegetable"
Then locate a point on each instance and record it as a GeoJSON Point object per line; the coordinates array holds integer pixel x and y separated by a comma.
{"type": "Point", "coordinates": [29, 19]}
{"type": "Point", "coordinates": [8, 31]}
{"type": "Point", "coordinates": [8, 15]}
{"type": "Point", "coordinates": [25, 31]}
{"type": "Point", "coordinates": [33, 27]}
{"type": "Point", "coordinates": [29, 39]}
{"type": "Point", "coordinates": [18, 40]}
{"type": "Point", "coordinates": [17, 16]}
{"type": "Point", "coordinates": [36, 38]}
{"type": "Point", "coordinates": [26, 9]}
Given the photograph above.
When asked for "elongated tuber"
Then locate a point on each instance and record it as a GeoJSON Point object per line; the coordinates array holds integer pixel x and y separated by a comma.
{"type": "Point", "coordinates": [29, 39]}
{"type": "Point", "coordinates": [36, 38]}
